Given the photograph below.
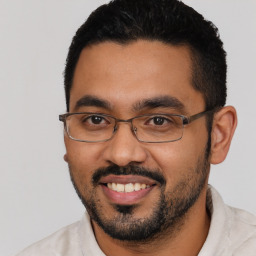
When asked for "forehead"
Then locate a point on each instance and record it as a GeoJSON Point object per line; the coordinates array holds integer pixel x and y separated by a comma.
{"type": "Point", "coordinates": [124, 75]}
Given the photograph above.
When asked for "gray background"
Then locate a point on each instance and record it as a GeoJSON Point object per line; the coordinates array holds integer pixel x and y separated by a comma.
{"type": "Point", "coordinates": [36, 195]}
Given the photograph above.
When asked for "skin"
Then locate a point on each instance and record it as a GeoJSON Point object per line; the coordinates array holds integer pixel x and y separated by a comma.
{"type": "Point", "coordinates": [124, 75]}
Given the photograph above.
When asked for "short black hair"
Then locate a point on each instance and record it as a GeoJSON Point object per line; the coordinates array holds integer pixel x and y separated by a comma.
{"type": "Point", "coordinates": [168, 21]}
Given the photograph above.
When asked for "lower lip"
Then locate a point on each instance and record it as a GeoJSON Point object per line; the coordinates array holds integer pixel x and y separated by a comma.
{"type": "Point", "coordinates": [125, 198]}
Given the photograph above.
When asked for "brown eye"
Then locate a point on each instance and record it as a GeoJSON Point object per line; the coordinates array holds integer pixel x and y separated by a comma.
{"type": "Point", "coordinates": [96, 119]}
{"type": "Point", "coordinates": [158, 120]}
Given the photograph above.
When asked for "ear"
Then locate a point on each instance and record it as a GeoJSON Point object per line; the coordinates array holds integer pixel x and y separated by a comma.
{"type": "Point", "coordinates": [65, 157]}
{"type": "Point", "coordinates": [223, 128]}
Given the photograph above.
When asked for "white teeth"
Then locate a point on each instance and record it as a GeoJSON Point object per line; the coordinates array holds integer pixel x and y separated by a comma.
{"type": "Point", "coordinates": [137, 186]}
{"type": "Point", "coordinates": [127, 187]}
{"type": "Point", "coordinates": [119, 187]}
{"type": "Point", "coordinates": [143, 186]}
{"type": "Point", "coordinates": [114, 187]}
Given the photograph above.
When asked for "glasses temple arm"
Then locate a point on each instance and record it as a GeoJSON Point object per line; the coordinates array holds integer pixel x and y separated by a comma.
{"type": "Point", "coordinates": [62, 118]}
{"type": "Point", "coordinates": [190, 119]}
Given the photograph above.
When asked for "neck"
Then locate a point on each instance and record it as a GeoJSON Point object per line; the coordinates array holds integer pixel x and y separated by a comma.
{"type": "Point", "coordinates": [186, 238]}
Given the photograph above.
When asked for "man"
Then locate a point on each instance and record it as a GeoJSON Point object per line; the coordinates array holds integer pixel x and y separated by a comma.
{"type": "Point", "coordinates": [145, 84]}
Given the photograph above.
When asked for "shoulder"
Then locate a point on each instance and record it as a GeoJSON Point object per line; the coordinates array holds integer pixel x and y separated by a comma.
{"type": "Point", "coordinates": [63, 242]}
{"type": "Point", "coordinates": [232, 231]}
{"type": "Point", "coordinates": [242, 231]}
{"type": "Point", "coordinates": [76, 239]}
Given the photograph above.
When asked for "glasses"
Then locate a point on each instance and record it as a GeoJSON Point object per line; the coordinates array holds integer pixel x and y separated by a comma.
{"type": "Point", "coordinates": [149, 128]}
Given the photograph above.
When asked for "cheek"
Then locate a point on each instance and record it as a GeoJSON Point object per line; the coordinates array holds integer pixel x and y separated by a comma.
{"type": "Point", "coordinates": [82, 154]}
{"type": "Point", "coordinates": [83, 160]}
{"type": "Point", "coordinates": [180, 157]}
{"type": "Point", "coordinates": [172, 159]}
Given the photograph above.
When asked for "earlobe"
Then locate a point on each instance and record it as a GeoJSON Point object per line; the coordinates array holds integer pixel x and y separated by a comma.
{"type": "Point", "coordinates": [65, 157]}
{"type": "Point", "coordinates": [223, 128]}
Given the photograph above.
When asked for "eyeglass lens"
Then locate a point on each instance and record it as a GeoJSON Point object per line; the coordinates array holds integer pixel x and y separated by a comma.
{"type": "Point", "coordinates": [147, 128]}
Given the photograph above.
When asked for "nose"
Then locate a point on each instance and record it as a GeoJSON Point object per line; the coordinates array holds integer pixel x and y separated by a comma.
{"type": "Point", "coordinates": [124, 148]}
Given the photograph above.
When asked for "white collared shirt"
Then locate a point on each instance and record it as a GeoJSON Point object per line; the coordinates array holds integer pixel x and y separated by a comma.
{"type": "Point", "coordinates": [232, 233]}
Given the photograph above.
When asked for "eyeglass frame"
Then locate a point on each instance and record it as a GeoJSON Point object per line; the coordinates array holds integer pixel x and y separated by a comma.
{"type": "Point", "coordinates": [185, 121]}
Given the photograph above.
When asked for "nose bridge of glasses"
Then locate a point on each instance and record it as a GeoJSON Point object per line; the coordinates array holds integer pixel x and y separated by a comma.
{"type": "Point", "coordinates": [125, 121]}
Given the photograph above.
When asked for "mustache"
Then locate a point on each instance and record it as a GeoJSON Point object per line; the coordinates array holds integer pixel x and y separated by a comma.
{"type": "Point", "coordinates": [128, 170]}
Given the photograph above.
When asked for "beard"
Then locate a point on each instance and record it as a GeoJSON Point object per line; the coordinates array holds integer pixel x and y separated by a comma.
{"type": "Point", "coordinates": [168, 212]}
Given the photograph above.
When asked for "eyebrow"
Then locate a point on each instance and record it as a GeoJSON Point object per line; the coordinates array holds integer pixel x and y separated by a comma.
{"type": "Point", "coordinates": [150, 103]}
{"type": "Point", "coordinates": [92, 101]}
{"type": "Point", "coordinates": [160, 101]}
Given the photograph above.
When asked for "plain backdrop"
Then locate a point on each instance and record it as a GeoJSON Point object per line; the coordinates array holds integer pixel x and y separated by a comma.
{"type": "Point", "coordinates": [36, 195]}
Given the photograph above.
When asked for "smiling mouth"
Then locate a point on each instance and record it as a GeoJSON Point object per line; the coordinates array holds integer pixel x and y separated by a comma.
{"type": "Point", "coordinates": [127, 188]}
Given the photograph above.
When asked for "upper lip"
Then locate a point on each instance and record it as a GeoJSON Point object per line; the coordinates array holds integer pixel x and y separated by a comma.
{"type": "Point", "coordinates": [125, 179]}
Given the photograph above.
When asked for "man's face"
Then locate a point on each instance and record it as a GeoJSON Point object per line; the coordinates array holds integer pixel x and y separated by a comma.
{"type": "Point", "coordinates": [167, 179]}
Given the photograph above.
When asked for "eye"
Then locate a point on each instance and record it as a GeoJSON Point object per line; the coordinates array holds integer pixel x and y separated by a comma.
{"type": "Point", "coordinates": [95, 120]}
{"type": "Point", "coordinates": [159, 121]}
